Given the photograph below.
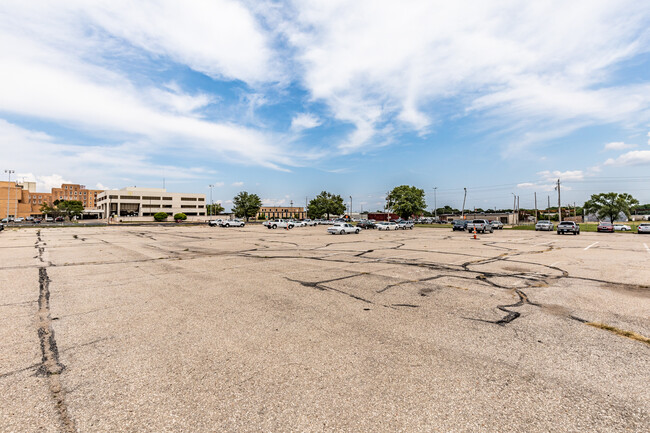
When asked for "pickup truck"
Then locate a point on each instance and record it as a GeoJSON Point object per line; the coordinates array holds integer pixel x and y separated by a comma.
{"type": "Point", "coordinates": [481, 226]}
{"type": "Point", "coordinates": [283, 224]}
{"type": "Point", "coordinates": [568, 227]}
{"type": "Point", "coordinates": [232, 223]}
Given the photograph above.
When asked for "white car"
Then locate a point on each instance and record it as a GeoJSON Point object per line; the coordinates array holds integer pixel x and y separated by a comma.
{"type": "Point", "coordinates": [309, 222]}
{"type": "Point", "coordinates": [544, 225]}
{"type": "Point", "coordinates": [643, 228]}
{"type": "Point", "coordinates": [622, 227]}
{"type": "Point", "coordinates": [343, 229]}
{"type": "Point", "coordinates": [19, 220]}
{"type": "Point", "coordinates": [298, 223]}
{"type": "Point", "coordinates": [387, 225]}
{"type": "Point", "coordinates": [215, 223]}
{"type": "Point", "coordinates": [232, 223]}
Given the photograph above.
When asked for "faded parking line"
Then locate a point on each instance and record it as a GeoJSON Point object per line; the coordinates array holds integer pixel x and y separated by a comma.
{"type": "Point", "coordinates": [646, 247]}
{"type": "Point", "coordinates": [592, 245]}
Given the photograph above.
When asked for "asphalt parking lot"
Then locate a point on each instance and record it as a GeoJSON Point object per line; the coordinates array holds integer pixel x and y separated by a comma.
{"type": "Point", "coordinates": [199, 329]}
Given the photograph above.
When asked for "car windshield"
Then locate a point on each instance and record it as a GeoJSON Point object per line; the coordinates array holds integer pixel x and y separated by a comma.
{"type": "Point", "coordinates": [607, 224]}
{"type": "Point", "coordinates": [567, 223]}
{"type": "Point", "coordinates": [544, 222]}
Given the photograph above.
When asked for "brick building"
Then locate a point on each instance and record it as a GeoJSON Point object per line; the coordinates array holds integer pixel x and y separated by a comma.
{"type": "Point", "coordinates": [73, 191]}
{"type": "Point", "coordinates": [271, 212]}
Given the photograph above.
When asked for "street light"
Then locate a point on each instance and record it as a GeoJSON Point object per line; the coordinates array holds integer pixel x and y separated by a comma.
{"type": "Point", "coordinates": [211, 205]}
{"type": "Point", "coordinates": [8, 190]}
{"type": "Point", "coordinates": [435, 203]}
{"type": "Point", "coordinates": [350, 207]}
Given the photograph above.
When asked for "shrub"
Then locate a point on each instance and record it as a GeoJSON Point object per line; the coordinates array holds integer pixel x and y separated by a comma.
{"type": "Point", "coordinates": [160, 216]}
{"type": "Point", "coordinates": [261, 218]}
{"type": "Point", "coordinates": [180, 216]}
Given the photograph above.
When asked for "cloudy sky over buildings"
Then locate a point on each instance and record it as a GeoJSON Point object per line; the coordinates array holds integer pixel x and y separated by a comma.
{"type": "Point", "coordinates": [286, 99]}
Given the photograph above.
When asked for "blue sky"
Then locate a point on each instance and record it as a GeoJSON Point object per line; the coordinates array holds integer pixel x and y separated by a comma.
{"type": "Point", "coordinates": [286, 99]}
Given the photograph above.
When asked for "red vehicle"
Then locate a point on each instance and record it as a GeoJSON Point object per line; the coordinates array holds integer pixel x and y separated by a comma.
{"type": "Point", "coordinates": [605, 227]}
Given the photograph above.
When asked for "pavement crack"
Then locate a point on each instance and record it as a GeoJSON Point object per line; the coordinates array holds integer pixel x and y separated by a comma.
{"type": "Point", "coordinates": [51, 367]}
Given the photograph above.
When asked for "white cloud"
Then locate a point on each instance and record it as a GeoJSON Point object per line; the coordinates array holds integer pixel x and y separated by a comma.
{"type": "Point", "coordinates": [237, 184]}
{"type": "Point", "coordinates": [44, 183]}
{"type": "Point", "coordinates": [380, 62]}
{"type": "Point", "coordinates": [218, 184]}
{"type": "Point", "coordinates": [305, 121]}
{"type": "Point", "coordinates": [274, 202]}
{"type": "Point", "coordinates": [538, 186]}
{"type": "Point", "coordinates": [648, 138]}
{"type": "Point", "coordinates": [102, 186]}
{"type": "Point", "coordinates": [635, 157]}
{"type": "Point", "coordinates": [562, 175]}
{"type": "Point", "coordinates": [618, 145]}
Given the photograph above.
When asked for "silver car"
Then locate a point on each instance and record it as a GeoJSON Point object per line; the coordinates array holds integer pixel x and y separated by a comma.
{"type": "Point", "coordinates": [387, 225]}
{"type": "Point", "coordinates": [643, 228]}
{"type": "Point", "coordinates": [544, 225]}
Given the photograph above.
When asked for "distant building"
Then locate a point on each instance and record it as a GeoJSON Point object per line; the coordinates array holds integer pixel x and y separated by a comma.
{"type": "Point", "coordinates": [21, 199]}
{"type": "Point", "coordinates": [272, 212]}
{"type": "Point", "coordinates": [73, 191]}
{"type": "Point", "coordinates": [382, 216]}
{"type": "Point", "coordinates": [142, 203]}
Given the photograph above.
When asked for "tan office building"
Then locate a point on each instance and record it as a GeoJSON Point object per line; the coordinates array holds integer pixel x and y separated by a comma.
{"type": "Point", "coordinates": [271, 212]}
{"type": "Point", "coordinates": [21, 199]}
{"type": "Point", "coordinates": [142, 203]}
{"type": "Point", "coordinates": [73, 191]}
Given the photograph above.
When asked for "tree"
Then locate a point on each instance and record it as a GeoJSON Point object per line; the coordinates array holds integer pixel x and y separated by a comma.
{"type": "Point", "coordinates": [180, 216]}
{"type": "Point", "coordinates": [610, 205]}
{"type": "Point", "coordinates": [325, 203]}
{"type": "Point", "coordinates": [52, 211]}
{"type": "Point", "coordinates": [214, 209]}
{"type": "Point", "coordinates": [246, 205]}
{"type": "Point", "coordinates": [160, 216]}
{"type": "Point", "coordinates": [406, 201]}
{"type": "Point", "coordinates": [70, 208]}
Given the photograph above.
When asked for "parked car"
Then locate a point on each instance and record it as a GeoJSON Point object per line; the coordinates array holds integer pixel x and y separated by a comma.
{"type": "Point", "coordinates": [605, 227]}
{"type": "Point", "coordinates": [49, 219]}
{"type": "Point", "coordinates": [4, 220]}
{"type": "Point", "coordinates": [2, 227]}
{"type": "Point", "coordinates": [481, 226]}
{"type": "Point", "coordinates": [59, 219]}
{"type": "Point", "coordinates": [622, 227]}
{"type": "Point", "coordinates": [297, 223]}
{"type": "Point", "coordinates": [643, 228]}
{"type": "Point", "coordinates": [459, 225]}
{"type": "Point", "coordinates": [309, 222]}
{"type": "Point", "coordinates": [544, 225]}
{"type": "Point", "coordinates": [215, 223]}
{"type": "Point", "coordinates": [568, 227]}
{"type": "Point", "coordinates": [232, 223]}
{"type": "Point", "coordinates": [19, 220]}
{"type": "Point", "coordinates": [497, 225]}
{"type": "Point", "coordinates": [384, 225]}
{"type": "Point", "coordinates": [405, 225]}
{"type": "Point", "coordinates": [343, 229]}
{"type": "Point", "coordinates": [280, 223]}
{"type": "Point", "coordinates": [364, 224]}
{"type": "Point", "coordinates": [37, 220]}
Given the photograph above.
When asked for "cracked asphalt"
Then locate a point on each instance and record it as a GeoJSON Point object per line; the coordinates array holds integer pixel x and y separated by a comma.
{"type": "Point", "coordinates": [179, 328]}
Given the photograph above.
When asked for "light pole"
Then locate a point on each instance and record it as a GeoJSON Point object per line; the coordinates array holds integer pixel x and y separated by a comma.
{"type": "Point", "coordinates": [350, 207]}
{"type": "Point", "coordinates": [211, 205]}
{"type": "Point", "coordinates": [435, 203]}
{"type": "Point", "coordinates": [462, 212]}
{"type": "Point", "coordinates": [514, 206]}
{"type": "Point", "coordinates": [8, 190]}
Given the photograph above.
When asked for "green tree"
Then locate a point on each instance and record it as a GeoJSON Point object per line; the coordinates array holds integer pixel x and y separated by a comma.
{"type": "Point", "coordinates": [246, 205]}
{"type": "Point", "coordinates": [160, 216]}
{"type": "Point", "coordinates": [610, 205]}
{"type": "Point", "coordinates": [406, 201]}
{"type": "Point", "coordinates": [180, 216]}
{"type": "Point", "coordinates": [214, 209]}
{"type": "Point", "coordinates": [70, 208]}
{"type": "Point", "coordinates": [52, 211]}
{"type": "Point", "coordinates": [325, 203]}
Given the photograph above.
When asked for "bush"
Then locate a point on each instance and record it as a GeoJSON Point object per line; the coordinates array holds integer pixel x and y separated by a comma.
{"type": "Point", "coordinates": [160, 216]}
{"type": "Point", "coordinates": [180, 217]}
{"type": "Point", "coordinates": [261, 218]}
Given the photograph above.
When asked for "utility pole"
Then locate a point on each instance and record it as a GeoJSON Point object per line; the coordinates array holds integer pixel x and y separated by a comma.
{"type": "Point", "coordinates": [350, 207]}
{"type": "Point", "coordinates": [559, 202]}
{"type": "Point", "coordinates": [549, 203]}
{"type": "Point", "coordinates": [435, 203]}
{"type": "Point", "coordinates": [9, 190]}
{"type": "Point", "coordinates": [514, 208]}
{"type": "Point", "coordinates": [536, 207]}
{"type": "Point", "coordinates": [462, 212]}
{"type": "Point", "coordinates": [211, 205]}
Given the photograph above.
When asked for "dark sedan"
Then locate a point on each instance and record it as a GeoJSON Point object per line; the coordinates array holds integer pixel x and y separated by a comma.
{"type": "Point", "coordinates": [459, 225]}
{"type": "Point", "coordinates": [365, 224]}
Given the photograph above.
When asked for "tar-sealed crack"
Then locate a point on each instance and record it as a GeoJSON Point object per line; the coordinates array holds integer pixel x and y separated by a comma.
{"type": "Point", "coordinates": [51, 367]}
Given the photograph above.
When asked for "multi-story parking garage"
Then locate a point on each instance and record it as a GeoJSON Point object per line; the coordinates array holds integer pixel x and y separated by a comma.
{"type": "Point", "coordinates": [145, 202]}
